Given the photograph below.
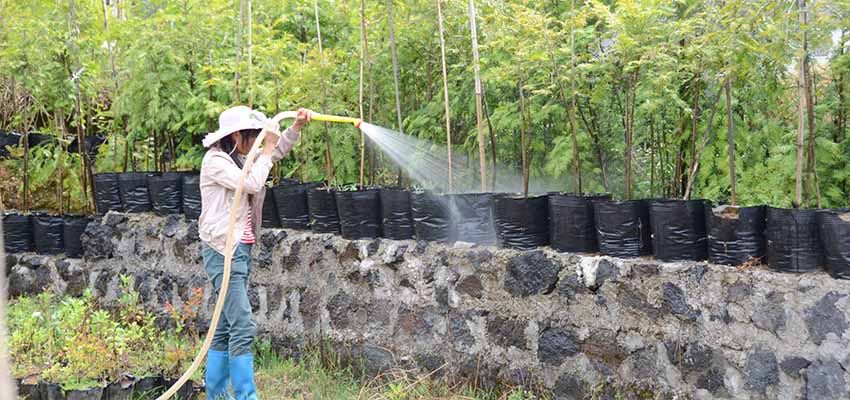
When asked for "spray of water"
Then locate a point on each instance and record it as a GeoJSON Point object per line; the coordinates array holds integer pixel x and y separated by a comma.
{"type": "Point", "coordinates": [427, 164]}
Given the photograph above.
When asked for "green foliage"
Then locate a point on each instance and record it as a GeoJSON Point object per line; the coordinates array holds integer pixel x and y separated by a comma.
{"type": "Point", "coordinates": [176, 69]}
{"type": "Point", "coordinates": [74, 342]}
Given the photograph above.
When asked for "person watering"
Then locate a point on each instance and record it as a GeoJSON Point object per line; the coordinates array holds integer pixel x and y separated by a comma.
{"type": "Point", "coordinates": [230, 357]}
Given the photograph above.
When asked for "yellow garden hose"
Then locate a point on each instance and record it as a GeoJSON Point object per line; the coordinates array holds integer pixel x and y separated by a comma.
{"type": "Point", "coordinates": [228, 253]}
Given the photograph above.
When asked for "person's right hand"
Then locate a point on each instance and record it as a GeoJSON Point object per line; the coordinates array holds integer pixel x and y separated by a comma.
{"type": "Point", "coordinates": [270, 141]}
{"type": "Point", "coordinates": [304, 116]}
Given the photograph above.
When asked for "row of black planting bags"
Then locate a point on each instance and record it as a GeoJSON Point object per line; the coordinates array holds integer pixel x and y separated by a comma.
{"type": "Point", "coordinates": [671, 230]}
{"type": "Point", "coordinates": [34, 139]}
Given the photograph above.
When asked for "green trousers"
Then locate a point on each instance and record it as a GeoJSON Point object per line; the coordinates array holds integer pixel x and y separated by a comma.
{"type": "Point", "coordinates": [236, 328]}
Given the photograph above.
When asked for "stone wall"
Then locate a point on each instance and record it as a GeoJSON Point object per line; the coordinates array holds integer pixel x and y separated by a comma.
{"type": "Point", "coordinates": [578, 326]}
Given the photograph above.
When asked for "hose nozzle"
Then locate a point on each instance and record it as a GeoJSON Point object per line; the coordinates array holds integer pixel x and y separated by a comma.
{"type": "Point", "coordinates": [320, 117]}
{"type": "Point", "coordinates": [335, 118]}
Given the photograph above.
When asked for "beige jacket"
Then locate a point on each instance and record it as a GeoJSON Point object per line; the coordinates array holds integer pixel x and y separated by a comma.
{"type": "Point", "coordinates": [219, 179]}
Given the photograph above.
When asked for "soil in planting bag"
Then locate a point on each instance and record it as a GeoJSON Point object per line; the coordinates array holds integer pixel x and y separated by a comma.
{"type": "Point", "coordinates": [396, 221]}
{"type": "Point", "coordinates": [472, 214]}
{"type": "Point", "coordinates": [48, 233]}
{"type": "Point", "coordinates": [73, 227]}
{"type": "Point", "coordinates": [793, 241]}
{"type": "Point", "coordinates": [431, 216]}
{"type": "Point", "coordinates": [192, 195]}
{"type": "Point", "coordinates": [359, 213]}
{"type": "Point", "coordinates": [324, 217]}
{"type": "Point", "coordinates": [17, 232]}
{"type": "Point", "coordinates": [166, 192]}
{"type": "Point", "coordinates": [134, 191]}
{"type": "Point", "coordinates": [291, 202]}
{"type": "Point", "coordinates": [622, 228]}
{"type": "Point", "coordinates": [270, 219]}
{"type": "Point", "coordinates": [572, 226]}
{"type": "Point", "coordinates": [678, 230]}
{"type": "Point", "coordinates": [107, 194]}
{"type": "Point", "coordinates": [735, 234]}
{"type": "Point", "coordinates": [522, 223]}
{"type": "Point", "coordinates": [834, 227]}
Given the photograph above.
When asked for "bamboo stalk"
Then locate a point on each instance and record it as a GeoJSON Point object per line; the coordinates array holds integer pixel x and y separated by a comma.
{"type": "Point", "coordinates": [492, 134]}
{"type": "Point", "coordinates": [523, 128]}
{"type": "Point", "coordinates": [395, 76]}
{"type": "Point", "coordinates": [798, 193]}
{"type": "Point", "coordinates": [445, 92]}
{"type": "Point", "coordinates": [363, 56]}
{"type": "Point", "coordinates": [372, 163]}
{"type": "Point", "coordinates": [730, 138]}
{"type": "Point", "coordinates": [810, 114]}
{"type": "Point", "coordinates": [81, 143]}
{"type": "Point", "coordinates": [482, 155]}
{"type": "Point", "coordinates": [576, 161]}
{"type": "Point", "coordinates": [628, 150]}
{"type": "Point", "coordinates": [695, 165]}
{"type": "Point", "coordinates": [651, 156]}
{"type": "Point", "coordinates": [328, 158]}
{"type": "Point", "coordinates": [250, 57]}
{"type": "Point", "coordinates": [25, 138]}
{"type": "Point", "coordinates": [60, 125]}
{"type": "Point", "coordinates": [237, 94]}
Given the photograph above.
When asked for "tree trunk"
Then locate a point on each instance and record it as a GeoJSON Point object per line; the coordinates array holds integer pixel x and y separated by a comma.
{"type": "Point", "coordinates": [730, 138]}
{"type": "Point", "coordinates": [250, 57]}
{"type": "Point", "coordinates": [696, 114]}
{"type": "Point", "coordinates": [60, 171]}
{"type": "Point", "coordinates": [492, 142]}
{"type": "Point", "coordinates": [628, 150]}
{"type": "Point", "coordinates": [692, 174]}
{"type": "Point", "coordinates": [372, 162]}
{"type": "Point", "coordinates": [363, 52]}
{"type": "Point", "coordinates": [482, 156]}
{"type": "Point", "coordinates": [810, 113]}
{"type": "Point", "coordinates": [593, 131]}
{"type": "Point", "coordinates": [395, 76]}
{"type": "Point", "coordinates": [237, 93]}
{"type": "Point", "coordinates": [523, 141]}
{"type": "Point", "coordinates": [26, 139]}
{"type": "Point", "coordinates": [81, 143]}
{"type": "Point", "coordinates": [109, 45]}
{"type": "Point", "coordinates": [651, 156]}
{"type": "Point", "coordinates": [798, 194]}
{"type": "Point", "coordinates": [576, 160]}
{"type": "Point", "coordinates": [329, 166]}
{"type": "Point", "coordinates": [445, 93]}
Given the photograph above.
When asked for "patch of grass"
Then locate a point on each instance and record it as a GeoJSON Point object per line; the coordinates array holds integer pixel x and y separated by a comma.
{"type": "Point", "coordinates": [313, 377]}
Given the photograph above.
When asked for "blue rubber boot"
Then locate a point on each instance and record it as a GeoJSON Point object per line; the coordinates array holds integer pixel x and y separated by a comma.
{"type": "Point", "coordinates": [217, 375]}
{"type": "Point", "coordinates": [242, 376]}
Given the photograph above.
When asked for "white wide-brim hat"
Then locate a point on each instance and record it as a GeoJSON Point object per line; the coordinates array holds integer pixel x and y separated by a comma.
{"type": "Point", "coordinates": [235, 119]}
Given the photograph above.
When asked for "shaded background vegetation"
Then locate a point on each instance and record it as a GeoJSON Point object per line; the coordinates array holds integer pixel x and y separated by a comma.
{"type": "Point", "coordinates": [152, 76]}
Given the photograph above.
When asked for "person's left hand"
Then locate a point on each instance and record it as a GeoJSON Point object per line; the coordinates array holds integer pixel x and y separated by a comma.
{"type": "Point", "coordinates": [304, 116]}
